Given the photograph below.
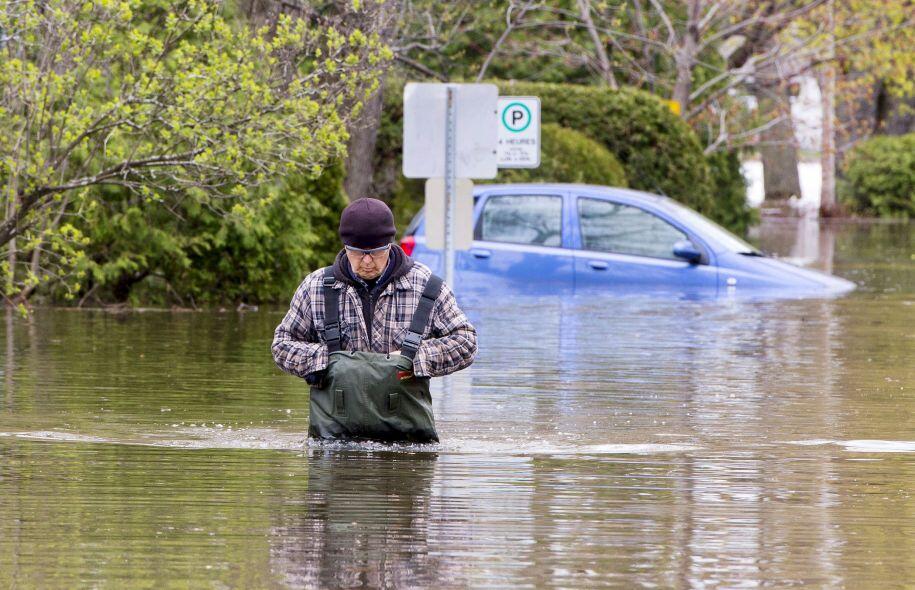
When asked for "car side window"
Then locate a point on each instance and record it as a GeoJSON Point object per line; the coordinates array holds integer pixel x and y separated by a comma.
{"type": "Point", "coordinates": [622, 229]}
{"type": "Point", "coordinates": [534, 220]}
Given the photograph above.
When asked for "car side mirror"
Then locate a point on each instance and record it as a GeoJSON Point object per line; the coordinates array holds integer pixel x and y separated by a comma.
{"type": "Point", "coordinates": [687, 251]}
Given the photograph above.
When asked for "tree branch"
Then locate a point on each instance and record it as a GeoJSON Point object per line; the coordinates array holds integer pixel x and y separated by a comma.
{"type": "Point", "coordinates": [510, 25]}
{"type": "Point", "coordinates": [584, 9]}
{"type": "Point", "coordinates": [420, 68]}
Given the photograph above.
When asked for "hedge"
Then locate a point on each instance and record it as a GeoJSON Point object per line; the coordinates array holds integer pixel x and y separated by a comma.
{"type": "Point", "coordinates": [659, 152]}
{"type": "Point", "coordinates": [567, 155]}
{"type": "Point", "coordinates": [879, 177]}
{"type": "Point", "coordinates": [729, 192]}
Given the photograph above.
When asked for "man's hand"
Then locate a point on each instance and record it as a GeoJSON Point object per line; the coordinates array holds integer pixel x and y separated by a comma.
{"type": "Point", "coordinates": [317, 379]}
{"type": "Point", "coordinates": [404, 366]}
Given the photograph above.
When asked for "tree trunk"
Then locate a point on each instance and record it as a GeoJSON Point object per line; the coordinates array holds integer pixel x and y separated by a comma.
{"type": "Point", "coordinates": [778, 147]}
{"type": "Point", "coordinates": [35, 266]}
{"type": "Point", "coordinates": [10, 359]}
{"type": "Point", "coordinates": [120, 290]}
{"type": "Point", "coordinates": [828, 149]}
{"type": "Point", "coordinates": [858, 106]}
{"type": "Point", "coordinates": [686, 57]}
{"type": "Point", "coordinates": [360, 159]}
{"type": "Point", "coordinates": [11, 205]}
{"type": "Point", "coordinates": [894, 115]}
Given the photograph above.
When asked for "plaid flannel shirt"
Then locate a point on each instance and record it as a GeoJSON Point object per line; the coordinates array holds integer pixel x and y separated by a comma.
{"type": "Point", "coordinates": [449, 340]}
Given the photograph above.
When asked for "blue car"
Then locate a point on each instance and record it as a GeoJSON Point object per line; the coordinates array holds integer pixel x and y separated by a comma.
{"type": "Point", "coordinates": [558, 238]}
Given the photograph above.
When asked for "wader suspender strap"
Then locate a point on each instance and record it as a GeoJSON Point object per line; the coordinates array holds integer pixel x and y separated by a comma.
{"type": "Point", "coordinates": [421, 317]}
{"type": "Point", "coordinates": [331, 311]}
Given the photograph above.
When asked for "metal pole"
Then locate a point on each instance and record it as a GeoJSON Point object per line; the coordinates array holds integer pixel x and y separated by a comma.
{"type": "Point", "coordinates": [450, 124]}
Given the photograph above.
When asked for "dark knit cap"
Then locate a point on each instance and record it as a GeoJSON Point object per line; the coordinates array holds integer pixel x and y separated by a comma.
{"type": "Point", "coordinates": [367, 223]}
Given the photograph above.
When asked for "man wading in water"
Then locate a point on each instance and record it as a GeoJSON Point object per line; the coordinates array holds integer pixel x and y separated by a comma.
{"type": "Point", "coordinates": [367, 334]}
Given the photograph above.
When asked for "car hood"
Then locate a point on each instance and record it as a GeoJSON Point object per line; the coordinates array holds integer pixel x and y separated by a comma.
{"type": "Point", "coordinates": [766, 272]}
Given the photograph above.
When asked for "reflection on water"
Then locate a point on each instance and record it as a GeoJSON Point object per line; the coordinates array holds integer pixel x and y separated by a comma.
{"type": "Point", "coordinates": [628, 442]}
{"type": "Point", "coordinates": [363, 521]}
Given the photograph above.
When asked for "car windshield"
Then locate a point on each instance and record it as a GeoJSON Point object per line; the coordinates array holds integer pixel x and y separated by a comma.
{"type": "Point", "coordinates": [709, 228]}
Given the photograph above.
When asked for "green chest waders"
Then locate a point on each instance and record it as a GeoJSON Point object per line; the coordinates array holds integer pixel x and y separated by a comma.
{"type": "Point", "coordinates": [362, 397]}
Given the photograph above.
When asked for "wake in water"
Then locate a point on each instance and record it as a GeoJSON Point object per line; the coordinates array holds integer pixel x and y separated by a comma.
{"type": "Point", "coordinates": [275, 440]}
{"type": "Point", "coordinates": [863, 445]}
{"type": "Point", "coordinates": [268, 439]}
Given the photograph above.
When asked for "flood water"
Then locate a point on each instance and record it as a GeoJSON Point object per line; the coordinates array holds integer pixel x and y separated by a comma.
{"type": "Point", "coordinates": [595, 443]}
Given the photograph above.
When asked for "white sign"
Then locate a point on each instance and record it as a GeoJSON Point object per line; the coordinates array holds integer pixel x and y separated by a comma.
{"type": "Point", "coordinates": [425, 109]}
{"type": "Point", "coordinates": [519, 132]}
{"type": "Point", "coordinates": [434, 214]}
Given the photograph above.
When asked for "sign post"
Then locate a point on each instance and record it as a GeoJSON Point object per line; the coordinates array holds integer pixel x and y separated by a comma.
{"type": "Point", "coordinates": [464, 148]}
{"type": "Point", "coordinates": [481, 133]}
{"type": "Point", "coordinates": [450, 117]}
{"type": "Point", "coordinates": [434, 214]}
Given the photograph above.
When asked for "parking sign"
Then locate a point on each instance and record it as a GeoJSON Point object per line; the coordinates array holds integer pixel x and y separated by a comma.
{"type": "Point", "coordinates": [519, 132]}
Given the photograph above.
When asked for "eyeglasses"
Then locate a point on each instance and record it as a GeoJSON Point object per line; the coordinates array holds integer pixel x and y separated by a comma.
{"type": "Point", "coordinates": [375, 253]}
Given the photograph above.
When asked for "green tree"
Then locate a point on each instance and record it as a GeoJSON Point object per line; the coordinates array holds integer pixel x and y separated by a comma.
{"type": "Point", "coordinates": [192, 254]}
{"type": "Point", "coordinates": [862, 45]}
{"type": "Point", "coordinates": [164, 99]}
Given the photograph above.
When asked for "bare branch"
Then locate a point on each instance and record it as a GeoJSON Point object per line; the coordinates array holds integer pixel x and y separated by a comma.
{"type": "Point", "coordinates": [662, 13]}
{"type": "Point", "coordinates": [420, 67]}
{"type": "Point", "coordinates": [510, 25]}
{"type": "Point", "coordinates": [584, 8]}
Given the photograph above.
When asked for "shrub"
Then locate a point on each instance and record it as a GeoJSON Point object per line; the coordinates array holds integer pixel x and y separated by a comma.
{"type": "Point", "coordinates": [192, 253]}
{"type": "Point", "coordinates": [658, 151]}
{"type": "Point", "coordinates": [567, 155]}
{"type": "Point", "coordinates": [879, 177]}
{"type": "Point", "coordinates": [729, 192]}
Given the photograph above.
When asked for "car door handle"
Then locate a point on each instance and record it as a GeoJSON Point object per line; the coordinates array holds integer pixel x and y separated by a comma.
{"type": "Point", "coordinates": [597, 264]}
{"type": "Point", "coordinates": [477, 253]}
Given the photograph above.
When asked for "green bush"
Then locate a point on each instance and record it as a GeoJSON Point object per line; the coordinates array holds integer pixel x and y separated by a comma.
{"type": "Point", "coordinates": [193, 252]}
{"type": "Point", "coordinates": [879, 177]}
{"type": "Point", "coordinates": [658, 151]}
{"type": "Point", "coordinates": [729, 191]}
{"type": "Point", "coordinates": [567, 155]}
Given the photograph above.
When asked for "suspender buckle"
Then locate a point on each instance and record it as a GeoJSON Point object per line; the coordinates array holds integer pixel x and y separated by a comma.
{"type": "Point", "coordinates": [412, 341]}
{"type": "Point", "coordinates": [332, 332]}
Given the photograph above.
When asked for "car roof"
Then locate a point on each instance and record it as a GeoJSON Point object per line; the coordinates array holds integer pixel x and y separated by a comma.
{"type": "Point", "coordinates": [624, 194]}
{"type": "Point", "coordinates": [565, 186]}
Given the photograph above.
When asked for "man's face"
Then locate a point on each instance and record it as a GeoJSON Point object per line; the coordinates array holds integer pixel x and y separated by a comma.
{"type": "Point", "coordinates": [368, 265]}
